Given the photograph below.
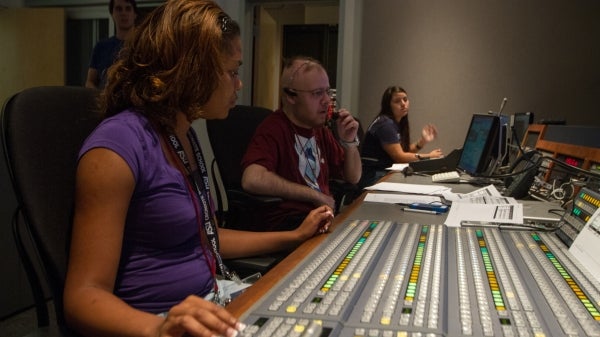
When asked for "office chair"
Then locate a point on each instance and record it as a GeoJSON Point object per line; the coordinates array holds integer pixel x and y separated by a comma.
{"type": "Point", "coordinates": [229, 138]}
{"type": "Point", "coordinates": [42, 131]}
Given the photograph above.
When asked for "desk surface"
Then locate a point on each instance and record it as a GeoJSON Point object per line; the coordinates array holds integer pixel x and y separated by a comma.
{"type": "Point", "coordinates": [357, 210]}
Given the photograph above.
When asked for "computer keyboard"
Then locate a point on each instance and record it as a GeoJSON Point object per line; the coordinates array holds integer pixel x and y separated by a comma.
{"type": "Point", "coordinates": [446, 177]}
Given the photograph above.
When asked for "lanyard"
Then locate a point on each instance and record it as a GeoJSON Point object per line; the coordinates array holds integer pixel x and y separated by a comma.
{"type": "Point", "coordinates": [201, 190]}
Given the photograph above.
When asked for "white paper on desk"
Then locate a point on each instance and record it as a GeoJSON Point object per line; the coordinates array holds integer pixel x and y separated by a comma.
{"type": "Point", "coordinates": [585, 246]}
{"type": "Point", "coordinates": [397, 167]}
{"type": "Point", "coordinates": [396, 198]}
{"type": "Point", "coordinates": [486, 199]}
{"type": "Point", "coordinates": [485, 213]}
{"type": "Point", "coordinates": [489, 190]}
{"type": "Point", "coordinates": [409, 188]}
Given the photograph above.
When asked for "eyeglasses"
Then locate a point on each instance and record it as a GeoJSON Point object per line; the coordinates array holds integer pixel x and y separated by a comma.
{"type": "Point", "coordinates": [315, 94]}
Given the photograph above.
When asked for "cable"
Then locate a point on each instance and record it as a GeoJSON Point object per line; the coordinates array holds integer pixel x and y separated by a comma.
{"type": "Point", "coordinates": [534, 165]}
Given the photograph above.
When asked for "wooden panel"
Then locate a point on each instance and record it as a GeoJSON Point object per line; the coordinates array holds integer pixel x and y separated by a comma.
{"type": "Point", "coordinates": [33, 49]}
{"type": "Point", "coordinates": [589, 157]}
{"type": "Point", "coordinates": [532, 135]}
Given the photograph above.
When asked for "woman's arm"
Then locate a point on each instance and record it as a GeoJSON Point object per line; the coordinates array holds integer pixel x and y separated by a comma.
{"type": "Point", "coordinates": [104, 185]}
{"type": "Point", "coordinates": [398, 155]}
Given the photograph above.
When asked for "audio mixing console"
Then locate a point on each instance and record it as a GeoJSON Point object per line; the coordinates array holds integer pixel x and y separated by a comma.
{"type": "Point", "coordinates": [380, 278]}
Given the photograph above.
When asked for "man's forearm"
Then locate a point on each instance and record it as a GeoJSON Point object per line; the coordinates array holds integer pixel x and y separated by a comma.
{"type": "Point", "coordinates": [269, 183]}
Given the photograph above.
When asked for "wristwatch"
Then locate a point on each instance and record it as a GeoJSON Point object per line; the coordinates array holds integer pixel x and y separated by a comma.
{"type": "Point", "coordinates": [355, 142]}
{"type": "Point", "coordinates": [418, 156]}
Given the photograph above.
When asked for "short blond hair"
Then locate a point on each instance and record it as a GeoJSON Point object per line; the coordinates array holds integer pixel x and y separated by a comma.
{"type": "Point", "coordinates": [297, 65]}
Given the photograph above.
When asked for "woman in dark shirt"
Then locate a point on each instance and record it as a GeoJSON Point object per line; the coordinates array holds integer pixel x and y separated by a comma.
{"type": "Point", "coordinates": [387, 140]}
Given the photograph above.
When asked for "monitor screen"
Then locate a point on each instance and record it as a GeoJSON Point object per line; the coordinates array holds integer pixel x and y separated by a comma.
{"type": "Point", "coordinates": [479, 144]}
{"type": "Point", "coordinates": [521, 121]}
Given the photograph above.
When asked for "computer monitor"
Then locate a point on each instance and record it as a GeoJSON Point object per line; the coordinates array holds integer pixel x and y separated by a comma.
{"type": "Point", "coordinates": [479, 145]}
{"type": "Point", "coordinates": [520, 124]}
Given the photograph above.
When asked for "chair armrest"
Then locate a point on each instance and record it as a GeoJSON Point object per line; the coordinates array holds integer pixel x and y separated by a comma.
{"type": "Point", "coordinates": [341, 187]}
{"type": "Point", "coordinates": [247, 266]}
{"type": "Point", "coordinates": [343, 192]}
{"type": "Point", "coordinates": [246, 199]}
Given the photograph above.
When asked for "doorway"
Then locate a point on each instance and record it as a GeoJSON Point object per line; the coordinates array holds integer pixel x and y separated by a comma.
{"type": "Point", "coordinates": [318, 41]}
{"type": "Point", "coordinates": [282, 30]}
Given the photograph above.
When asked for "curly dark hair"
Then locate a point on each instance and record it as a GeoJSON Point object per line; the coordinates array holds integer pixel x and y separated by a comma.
{"type": "Point", "coordinates": [171, 63]}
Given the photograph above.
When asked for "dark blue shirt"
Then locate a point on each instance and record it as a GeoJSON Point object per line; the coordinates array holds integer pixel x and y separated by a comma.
{"type": "Point", "coordinates": [383, 130]}
{"type": "Point", "coordinates": [104, 55]}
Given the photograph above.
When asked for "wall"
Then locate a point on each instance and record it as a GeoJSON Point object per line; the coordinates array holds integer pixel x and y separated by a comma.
{"type": "Point", "coordinates": [456, 58]}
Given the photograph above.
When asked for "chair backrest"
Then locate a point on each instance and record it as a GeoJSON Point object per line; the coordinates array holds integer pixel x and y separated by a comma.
{"type": "Point", "coordinates": [42, 131]}
{"type": "Point", "coordinates": [229, 138]}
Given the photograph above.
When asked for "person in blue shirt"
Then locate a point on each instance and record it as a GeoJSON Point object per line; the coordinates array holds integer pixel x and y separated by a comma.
{"type": "Point", "coordinates": [124, 14]}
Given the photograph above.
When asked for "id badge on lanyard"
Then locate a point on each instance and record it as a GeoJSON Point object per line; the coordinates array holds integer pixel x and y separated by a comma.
{"type": "Point", "coordinates": [199, 187]}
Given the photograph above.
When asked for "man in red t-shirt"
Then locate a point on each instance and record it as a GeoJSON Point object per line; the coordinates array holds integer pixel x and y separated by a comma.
{"type": "Point", "coordinates": [293, 155]}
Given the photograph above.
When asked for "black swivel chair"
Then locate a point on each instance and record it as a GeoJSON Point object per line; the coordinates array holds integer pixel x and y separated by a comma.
{"type": "Point", "coordinates": [42, 131]}
{"type": "Point", "coordinates": [229, 138]}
